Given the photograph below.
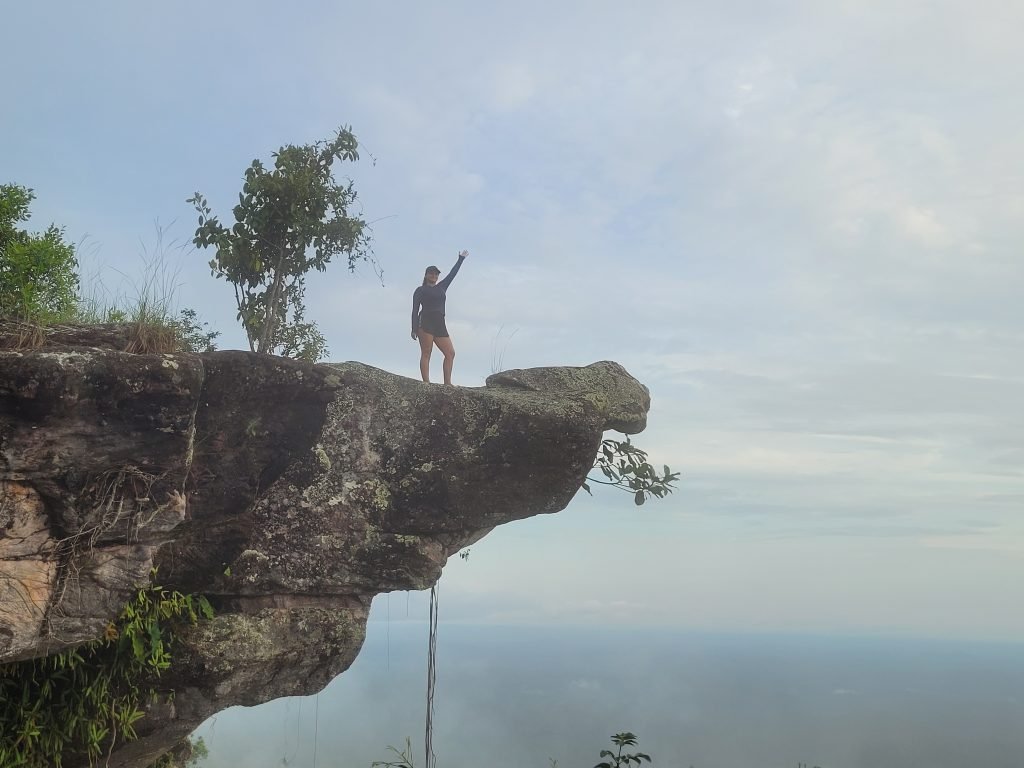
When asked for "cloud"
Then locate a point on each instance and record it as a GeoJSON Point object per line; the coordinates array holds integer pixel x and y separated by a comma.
{"type": "Point", "coordinates": [798, 223]}
{"type": "Point", "coordinates": [922, 225]}
{"type": "Point", "coordinates": [1010, 542]}
{"type": "Point", "coordinates": [511, 86]}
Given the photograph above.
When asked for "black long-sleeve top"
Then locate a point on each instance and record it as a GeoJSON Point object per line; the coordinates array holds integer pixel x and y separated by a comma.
{"type": "Point", "coordinates": [431, 297]}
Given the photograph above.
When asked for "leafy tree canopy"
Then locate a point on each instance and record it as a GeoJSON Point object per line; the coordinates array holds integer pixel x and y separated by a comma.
{"type": "Point", "coordinates": [38, 272]}
{"type": "Point", "coordinates": [289, 220]}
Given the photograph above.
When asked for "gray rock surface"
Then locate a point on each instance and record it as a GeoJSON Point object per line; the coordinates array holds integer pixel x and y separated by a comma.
{"type": "Point", "coordinates": [289, 494]}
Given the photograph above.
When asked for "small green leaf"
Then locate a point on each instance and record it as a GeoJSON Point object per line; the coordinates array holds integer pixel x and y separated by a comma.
{"type": "Point", "coordinates": [204, 606]}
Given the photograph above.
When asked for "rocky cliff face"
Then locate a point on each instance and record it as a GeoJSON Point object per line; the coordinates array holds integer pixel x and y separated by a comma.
{"type": "Point", "coordinates": [289, 494]}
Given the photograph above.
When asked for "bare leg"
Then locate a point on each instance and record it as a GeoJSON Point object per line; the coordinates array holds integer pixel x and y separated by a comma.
{"type": "Point", "coordinates": [448, 350]}
{"type": "Point", "coordinates": [426, 347]}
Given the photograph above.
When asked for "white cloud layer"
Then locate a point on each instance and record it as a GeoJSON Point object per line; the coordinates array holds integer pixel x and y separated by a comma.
{"type": "Point", "coordinates": [798, 222]}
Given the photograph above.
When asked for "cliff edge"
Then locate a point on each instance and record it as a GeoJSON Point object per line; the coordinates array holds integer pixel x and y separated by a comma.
{"type": "Point", "coordinates": [289, 494]}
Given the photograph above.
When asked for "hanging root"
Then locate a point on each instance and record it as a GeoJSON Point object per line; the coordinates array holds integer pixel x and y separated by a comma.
{"type": "Point", "coordinates": [430, 758]}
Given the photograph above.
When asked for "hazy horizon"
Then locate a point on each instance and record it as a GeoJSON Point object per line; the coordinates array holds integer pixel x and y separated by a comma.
{"type": "Point", "coordinates": [799, 223]}
{"type": "Point", "coordinates": [511, 697]}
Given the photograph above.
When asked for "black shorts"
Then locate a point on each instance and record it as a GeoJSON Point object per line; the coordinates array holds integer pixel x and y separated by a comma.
{"type": "Point", "coordinates": [433, 323]}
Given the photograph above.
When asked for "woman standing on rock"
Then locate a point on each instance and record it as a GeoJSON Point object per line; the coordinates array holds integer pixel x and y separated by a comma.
{"type": "Point", "coordinates": [428, 318]}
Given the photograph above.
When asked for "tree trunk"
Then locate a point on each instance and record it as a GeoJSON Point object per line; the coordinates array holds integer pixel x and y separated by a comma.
{"type": "Point", "coordinates": [243, 315]}
{"type": "Point", "coordinates": [270, 320]}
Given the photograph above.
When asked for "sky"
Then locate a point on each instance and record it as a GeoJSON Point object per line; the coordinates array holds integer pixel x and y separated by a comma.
{"type": "Point", "coordinates": [798, 223]}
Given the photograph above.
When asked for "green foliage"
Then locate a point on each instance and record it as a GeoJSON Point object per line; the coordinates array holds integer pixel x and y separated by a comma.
{"type": "Point", "coordinates": [625, 466]}
{"type": "Point", "coordinates": [81, 701]}
{"type": "Point", "coordinates": [39, 286]}
{"type": "Point", "coordinates": [38, 272]}
{"type": "Point", "coordinates": [149, 306]}
{"type": "Point", "coordinates": [193, 335]}
{"type": "Point", "coordinates": [288, 221]}
{"type": "Point", "coordinates": [618, 759]}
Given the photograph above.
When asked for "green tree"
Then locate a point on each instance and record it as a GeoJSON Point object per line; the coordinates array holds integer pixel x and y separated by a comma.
{"type": "Point", "coordinates": [38, 272]}
{"type": "Point", "coordinates": [289, 220]}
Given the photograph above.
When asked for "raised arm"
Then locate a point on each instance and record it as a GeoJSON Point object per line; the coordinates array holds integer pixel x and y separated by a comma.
{"type": "Point", "coordinates": [416, 301]}
{"type": "Point", "coordinates": [455, 270]}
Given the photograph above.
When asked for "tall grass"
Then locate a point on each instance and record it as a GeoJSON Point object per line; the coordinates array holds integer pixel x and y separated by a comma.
{"type": "Point", "coordinates": [498, 356]}
{"type": "Point", "coordinates": [145, 305]}
{"type": "Point", "coordinates": [149, 298]}
{"type": "Point", "coordinates": [148, 306]}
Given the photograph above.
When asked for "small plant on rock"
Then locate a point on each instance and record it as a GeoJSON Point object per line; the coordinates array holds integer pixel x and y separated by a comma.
{"type": "Point", "coordinates": [618, 759]}
{"type": "Point", "coordinates": [403, 758]}
{"type": "Point", "coordinates": [77, 704]}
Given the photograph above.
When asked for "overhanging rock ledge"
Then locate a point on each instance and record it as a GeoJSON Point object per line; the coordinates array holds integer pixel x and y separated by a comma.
{"type": "Point", "coordinates": [290, 494]}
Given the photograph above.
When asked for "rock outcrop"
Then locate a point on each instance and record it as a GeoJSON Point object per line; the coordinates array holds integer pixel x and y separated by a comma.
{"type": "Point", "coordinates": [289, 494]}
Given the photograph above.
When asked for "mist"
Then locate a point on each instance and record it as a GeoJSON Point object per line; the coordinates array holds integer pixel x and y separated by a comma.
{"type": "Point", "coordinates": [518, 696]}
